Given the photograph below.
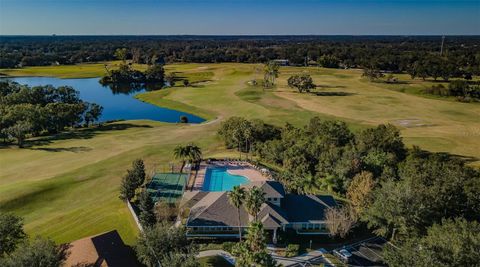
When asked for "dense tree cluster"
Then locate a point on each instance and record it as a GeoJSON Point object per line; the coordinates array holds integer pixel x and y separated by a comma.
{"type": "Point", "coordinates": [164, 245]}
{"type": "Point", "coordinates": [454, 243]}
{"type": "Point", "coordinates": [34, 110]}
{"type": "Point", "coordinates": [418, 55]}
{"type": "Point", "coordinates": [326, 155]}
{"type": "Point", "coordinates": [244, 135]}
{"type": "Point", "coordinates": [428, 189]}
{"type": "Point", "coordinates": [444, 67]}
{"type": "Point", "coordinates": [463, 90]}
{"type": "Point", "coordinates": [16, 250]}
{"type": "Point", "coordinates": [127, 76]}
{"type": "Point", "coordinates": [412, 197]}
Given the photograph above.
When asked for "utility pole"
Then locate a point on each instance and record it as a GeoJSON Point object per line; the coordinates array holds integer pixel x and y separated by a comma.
{"type": "Point", "coordinates": [441, 47]}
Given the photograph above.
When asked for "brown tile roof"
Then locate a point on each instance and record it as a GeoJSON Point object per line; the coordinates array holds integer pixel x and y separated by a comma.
{"type": "Point", "coordinates": [103, 250]}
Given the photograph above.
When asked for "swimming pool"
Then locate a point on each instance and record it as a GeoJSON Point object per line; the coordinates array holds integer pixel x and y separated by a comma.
{"type": "Point", "coordinates": [218, 179]}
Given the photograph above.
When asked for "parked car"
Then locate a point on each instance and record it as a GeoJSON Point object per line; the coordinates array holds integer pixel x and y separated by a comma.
{"type": "Point", "coordinates": [343, 254]}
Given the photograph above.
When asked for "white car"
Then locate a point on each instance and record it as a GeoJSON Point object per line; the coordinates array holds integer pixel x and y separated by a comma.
{"type": "Point", "coordinates": [343, 254]}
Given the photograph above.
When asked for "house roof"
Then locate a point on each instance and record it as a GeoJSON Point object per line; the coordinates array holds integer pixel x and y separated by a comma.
{"type": "Point", "coordinates": [274, 211]}
{"type": "Point", "coordinates": [190, 198]}
{"type": "Point", "coordinates": [270, 188]}
{"type": "Point", "coordinates": [215, 210]}
{"type": "Point", "coordinates": [103, 250]}
{"type": "Point", "coordinates": [269, 221]}
{"type": "Point", "coordinates": [305, 208]}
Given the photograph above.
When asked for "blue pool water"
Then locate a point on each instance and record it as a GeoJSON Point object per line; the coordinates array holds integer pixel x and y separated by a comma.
{"type": "Point", "coordinates": [218, 179]}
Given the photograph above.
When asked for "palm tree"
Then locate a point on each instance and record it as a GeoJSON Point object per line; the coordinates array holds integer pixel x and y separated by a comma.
{"type": "Point", "coordinates": [247, 133]}
{"type": "Point", "coordinates": [310, 184]}
{"type": "Point", "coordinates": [190, 152]}
{"type": "Point", "coordinates": [238, 136]}
{"type": "Point", "coordinates": [181, 152]}
{"type": "Point", "coordinates": [194, 153]}
{"type": "Point", "coordinates": [236, 197]}
{"type": "Point", "coordinates": [254, 200]}
{"type": "Point", "coordinates": [270, 73]}
{"type": "Point", "coordinates": [327, 183]}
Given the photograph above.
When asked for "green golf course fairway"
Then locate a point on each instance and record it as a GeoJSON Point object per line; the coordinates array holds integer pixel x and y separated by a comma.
{"type": "Point", "coordinates": [66, 186]}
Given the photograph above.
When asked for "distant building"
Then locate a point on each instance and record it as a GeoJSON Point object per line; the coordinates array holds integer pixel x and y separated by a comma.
{"type": "Point", "coordinates": [282, 62]}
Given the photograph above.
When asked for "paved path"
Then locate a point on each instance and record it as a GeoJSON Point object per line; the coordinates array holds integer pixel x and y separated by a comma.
{"type": "Point", "coordinates": [222, 253]}
{"type": "Point", "coordinates": [307, 259]}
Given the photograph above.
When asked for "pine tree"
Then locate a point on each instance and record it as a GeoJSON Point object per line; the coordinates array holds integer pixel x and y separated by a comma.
{"type": "Point", "coordinates": [128, 186]}
{"type": "Point", "coordinates": [145, 204]}
{"type": "Point", "coordinates": [138, 172]}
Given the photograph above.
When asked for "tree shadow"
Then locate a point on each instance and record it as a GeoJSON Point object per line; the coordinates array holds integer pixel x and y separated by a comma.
{"type": "Point", "coordinates": [462, 158]}
{"type": "Point", "coordinates": [330, 86]}
{"type": "Point", "coordinates": [84, 133]}
{"type": "Point", "coordinates": [333, 93]}
{"type": "Point", "coordinates": [397, 82]}
{"type": "Point", "coordinates": [75, 149]}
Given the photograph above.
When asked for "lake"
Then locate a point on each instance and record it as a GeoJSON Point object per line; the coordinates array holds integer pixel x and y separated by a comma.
{"type": "Point", "coordinates": [117, 103]}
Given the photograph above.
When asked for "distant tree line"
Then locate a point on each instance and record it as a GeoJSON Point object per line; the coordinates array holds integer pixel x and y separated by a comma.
{"type": "Point", "coordinates": [417, 55]}
{"type": "Point", "coordinates": [41, 109]}
{"type": "Point", "coordinates": [409, 196]}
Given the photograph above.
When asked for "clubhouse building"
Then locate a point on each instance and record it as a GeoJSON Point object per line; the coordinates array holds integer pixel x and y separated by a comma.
{"type": "Point", "coordinates": [211, 215]}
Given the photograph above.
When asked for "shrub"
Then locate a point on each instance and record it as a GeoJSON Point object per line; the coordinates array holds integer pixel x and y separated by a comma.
{"type": "Point", "coordinates": [292, 250]}
{"type": "Point", "coordinates": [183, 119]}
{"type": "Point", "coordinates": [228, 246]}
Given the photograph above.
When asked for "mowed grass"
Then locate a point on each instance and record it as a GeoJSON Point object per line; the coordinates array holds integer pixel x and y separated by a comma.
{"type": "Point", "coordinates": [66, 187]}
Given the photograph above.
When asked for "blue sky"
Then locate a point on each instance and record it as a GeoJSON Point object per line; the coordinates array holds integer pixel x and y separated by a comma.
{"type": "Point", "coordinates": [137, 17]}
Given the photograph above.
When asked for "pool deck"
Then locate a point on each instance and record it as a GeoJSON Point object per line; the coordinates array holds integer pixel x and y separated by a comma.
{"type": "Point", "coordinates": [233, 167]}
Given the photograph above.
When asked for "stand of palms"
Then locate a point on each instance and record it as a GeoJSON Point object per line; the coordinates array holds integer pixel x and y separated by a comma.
{"type": "Point", "coordinates": [253, 200]}
{"type": "Point", "coordinates": [190, 152]}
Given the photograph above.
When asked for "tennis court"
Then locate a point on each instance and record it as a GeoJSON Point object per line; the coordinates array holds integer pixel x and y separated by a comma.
{"type": "Point", "coordinates": [167, 187]}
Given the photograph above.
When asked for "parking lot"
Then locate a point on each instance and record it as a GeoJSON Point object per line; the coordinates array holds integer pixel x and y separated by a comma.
{"type": "Point", "coordinates": [367, 252]}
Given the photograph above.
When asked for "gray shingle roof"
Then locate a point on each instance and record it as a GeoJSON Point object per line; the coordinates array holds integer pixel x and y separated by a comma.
{"type": "Point", "coordinates": [270, 188]}
{"type": "Point", "coordinates": [215, 210]}
{"type": "Point", "coordinates": [304, 208]}
{"type": "Point", "coordinates": [274, 211]}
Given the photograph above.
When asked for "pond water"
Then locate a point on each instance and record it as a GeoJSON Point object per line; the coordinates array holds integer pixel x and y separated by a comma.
{"type": "Point", "coordinates": [118, 103]}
